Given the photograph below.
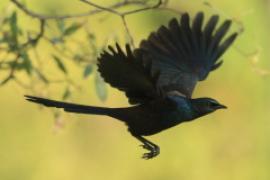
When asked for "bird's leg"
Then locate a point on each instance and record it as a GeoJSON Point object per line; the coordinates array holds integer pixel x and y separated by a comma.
{"type": "Point", "coordinates": [153, 148]}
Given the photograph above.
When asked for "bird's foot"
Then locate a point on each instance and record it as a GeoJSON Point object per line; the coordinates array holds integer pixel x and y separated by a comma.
{"type": "Point", "coordinates": [151, 147]}
{"type": "Point", "coordinates": [154, 151]}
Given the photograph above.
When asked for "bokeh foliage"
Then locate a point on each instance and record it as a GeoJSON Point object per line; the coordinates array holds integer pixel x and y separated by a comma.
{"type": "Point", "coordinates": [55, 57]}
{"type": "Point", "coordinates": [20, 44]}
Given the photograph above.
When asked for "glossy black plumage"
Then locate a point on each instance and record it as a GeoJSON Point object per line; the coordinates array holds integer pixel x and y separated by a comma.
{"type": "Point", "coordinates": [159, 77]}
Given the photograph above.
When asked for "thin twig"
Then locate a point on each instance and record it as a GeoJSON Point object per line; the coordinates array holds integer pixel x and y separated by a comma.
{"type": "Point", "coordinates": [157, 5]}
{"type": "Point", "coordinates": [12, 70]}
{"type": "Point", "coordinates": [101, 7]}
{"type": "Point", "coordinates": [240, 24]}
{"type": "Point", "coordinates": [34, 41]}
{"type": "Point", "coordinates": [128, 31]}
{"type": "Point", "coordinates": [69, 16]}
{"type": "Point", "coordinates": [124, 14]}
{"type": "Point", "coordinates": [23, 47]}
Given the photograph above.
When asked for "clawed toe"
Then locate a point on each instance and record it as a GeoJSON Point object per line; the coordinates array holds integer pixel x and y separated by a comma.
{"type": "Point", "coordinates": [150, 155]}
{"type": "Point", "coordinates": [153, 150]}
{"type": "Point", "coordinates": [153, 153]}
{"type": "Point", "coordinates": [147, 156]}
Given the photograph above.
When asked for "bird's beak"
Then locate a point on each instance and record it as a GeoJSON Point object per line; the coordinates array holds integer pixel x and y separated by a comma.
{"type": "Point", "coordinates": [222, 107]}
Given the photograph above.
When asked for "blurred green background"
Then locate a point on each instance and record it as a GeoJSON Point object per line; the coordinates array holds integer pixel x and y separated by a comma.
{"type": "Point", "coordinates": [226, 145]}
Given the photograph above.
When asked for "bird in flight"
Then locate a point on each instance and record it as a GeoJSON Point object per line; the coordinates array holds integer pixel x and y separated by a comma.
{"type": "Point", "coordinates": [159, 77]}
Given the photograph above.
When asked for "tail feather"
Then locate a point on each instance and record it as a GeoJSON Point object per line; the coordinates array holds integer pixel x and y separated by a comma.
{"type": "Point", "coordinates": [69, 107]}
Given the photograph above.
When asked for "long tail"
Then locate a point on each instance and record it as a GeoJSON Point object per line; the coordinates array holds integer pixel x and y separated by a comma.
{"type": "Point", "coordinates": [70, 107]}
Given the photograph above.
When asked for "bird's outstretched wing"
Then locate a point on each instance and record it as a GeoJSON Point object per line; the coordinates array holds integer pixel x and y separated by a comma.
{"type": "Point", "coordinates": [173, 59]}
{"type": "Point", "coordinates": [185, 53]}
{"type": "Point", "coordinates": [126, 72]}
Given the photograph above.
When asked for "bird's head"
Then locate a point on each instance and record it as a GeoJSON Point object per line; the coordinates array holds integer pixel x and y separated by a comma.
{"type": "Point", "coordinates": [206, 105]}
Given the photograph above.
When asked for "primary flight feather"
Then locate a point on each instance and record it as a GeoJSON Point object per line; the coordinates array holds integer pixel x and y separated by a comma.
{"type": "Point", "coordinates": [159, 77]}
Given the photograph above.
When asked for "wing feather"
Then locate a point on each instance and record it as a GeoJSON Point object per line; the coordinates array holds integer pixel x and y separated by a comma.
{"type": "Point", "coordinates": [126, 73]}
{"type": "Point", "coordinates": [172, 59]}
{"type": "Point", "coordinates": [185, 53]}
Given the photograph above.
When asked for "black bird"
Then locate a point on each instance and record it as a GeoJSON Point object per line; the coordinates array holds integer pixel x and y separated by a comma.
{"type": "Point", "coordinates": [159, 76]}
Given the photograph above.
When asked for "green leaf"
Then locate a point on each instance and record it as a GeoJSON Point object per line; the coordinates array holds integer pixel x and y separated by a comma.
{"type": "Point", "coordinates": [101, 89]}
{"type": "Point", "coordinates": [16, 65]}
{"type": "Point", "coordinates": [66, 94]}
{"type": "Point", "coordinates": [87, 71]}
{"type": "Point", "coordinates": [72, 29]}
{"type": "Point", "coordinates": [14, 31]}
{"type": "Point", "coordinates": [57, 40]}
{"type": "Point", "coordinates": [13, 23]}
{"type": "Point", "coordinates": [93, 44]}
{"type": "Point", "coordinates": [77, 57]}
{"type": "Point", "coordinates": [26, 64]}
{"type": "Point", "coordinates": [61, 26]}
{"type": "Point", "coordinates": [60, 64]}
{"type": "Point", "coordinates": [41, 76]}
{"type": "Point", "coordinates": [91, 36]}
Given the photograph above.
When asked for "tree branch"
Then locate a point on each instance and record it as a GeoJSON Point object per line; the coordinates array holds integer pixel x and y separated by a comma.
{"type": "Point", "coordinates": [42, 18]}
{"type": "Point", "coordinates": [128, 31]}
{"type": "Point", "coordinates": [124, 14]}
{"type": "Point", "coordinates": [155, 6]}
{"type": "Point", "coordinates": [68, 16]}
{"type": "Point", "coordinates": [34, 41]}
{"type": "Point", "coordinates": [108, 9]}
